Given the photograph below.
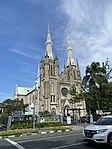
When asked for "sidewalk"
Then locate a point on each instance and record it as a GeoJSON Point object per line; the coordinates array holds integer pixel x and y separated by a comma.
{"type": "Point", "coordinates": [79, 127]}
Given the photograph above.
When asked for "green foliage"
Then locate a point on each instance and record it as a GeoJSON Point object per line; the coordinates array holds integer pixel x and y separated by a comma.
{"type": "Point", "coordinates": [50, 124]}
{"type": "Point", "coordinates": [44, 113]}
{"type": "Point", "coordinates": [72, 90]}
{"type": "Point", "coordinates": [21, 126]}
{"type": "Point", "coordinates": [16, 130]}
{"type": "Point", "coordinates": [76, 97]}
{"type": "Point", "coordinates": [40, 113]}
{"type": "Point", "coordinates": [12, 105]}
{"type": "Point", "coordinates": [3, 118]}
{"type": "Point", "coordinates": [9, 133]}
{"type": "Point", "coordinates": [63, 128]}
{"type": "Point", "coordinates": [96, 87]}
{"type": "Point", "coordinates": [0, 107]}
{"type": "Point", "coordinates": [30, 125]}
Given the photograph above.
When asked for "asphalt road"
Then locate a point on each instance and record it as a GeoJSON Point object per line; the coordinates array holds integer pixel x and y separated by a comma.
{"type": "Point", "coordinates": [49, 141]}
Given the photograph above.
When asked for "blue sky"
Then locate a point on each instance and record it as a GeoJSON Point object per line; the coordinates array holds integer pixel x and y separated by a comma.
{"type": "Point", "coordinates": [23, 31]}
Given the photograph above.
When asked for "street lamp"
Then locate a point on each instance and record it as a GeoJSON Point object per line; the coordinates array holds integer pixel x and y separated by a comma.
{"type": "Point", "coordinates": [34, 100]}
{"type": "Point", "coordinates": [34, 117]}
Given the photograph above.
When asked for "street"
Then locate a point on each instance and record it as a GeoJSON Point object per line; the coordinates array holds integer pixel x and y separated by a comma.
{"type": "Point", "coordinates": [49, 141]}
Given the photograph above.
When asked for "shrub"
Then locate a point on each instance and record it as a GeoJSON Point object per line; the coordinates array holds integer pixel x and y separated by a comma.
{"type": "Point", "coordinates": [30, 125]}
{"type": "Point", "coordinates": [21, 126]}
{"type": "Point", "coordinates": [50, 124]}
{"type": "Point", "coordinates": [60, 128]}
{"type": "Point", "coordinates": [9, 133]}
{"type": "Point", "coordinates": [3, 119]}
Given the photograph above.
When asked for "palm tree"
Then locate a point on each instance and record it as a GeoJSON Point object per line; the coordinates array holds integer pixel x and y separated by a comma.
{"type": "Point", "coordinates": [94, 81]}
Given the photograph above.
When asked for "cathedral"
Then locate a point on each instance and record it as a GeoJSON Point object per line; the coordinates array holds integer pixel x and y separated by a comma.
{"type": "Point", "coordinates": [51, 89]}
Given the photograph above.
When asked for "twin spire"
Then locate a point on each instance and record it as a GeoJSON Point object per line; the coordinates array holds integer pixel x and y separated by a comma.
{"type": "Point", "coordinates": [70, 59]}
{"type": "Point", "coordinates": [49, 45]}
{"type": "Point", "coordinates": [48, 36]}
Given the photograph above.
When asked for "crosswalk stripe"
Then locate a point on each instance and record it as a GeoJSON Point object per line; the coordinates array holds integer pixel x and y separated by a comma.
{"type": "Point", "coordinates": [14, 143]}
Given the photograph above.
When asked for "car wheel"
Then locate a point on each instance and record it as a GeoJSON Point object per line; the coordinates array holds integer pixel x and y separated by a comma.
{"type": "Point", "coordinates": [110, 140]}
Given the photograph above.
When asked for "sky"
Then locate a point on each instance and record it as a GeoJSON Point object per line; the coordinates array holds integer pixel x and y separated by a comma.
{"type": "Point", "coordinates": [23, 33]}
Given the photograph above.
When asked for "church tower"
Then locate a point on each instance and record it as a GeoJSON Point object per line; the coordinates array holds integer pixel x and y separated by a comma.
{"type": "Point", "coordinates": [70, 78]}
{"type": "Point", "coordinates": [49, 72]}
{"type": "Point", "coordinates": [73, 69]}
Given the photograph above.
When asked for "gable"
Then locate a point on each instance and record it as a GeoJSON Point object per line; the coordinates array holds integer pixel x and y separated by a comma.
{"type": "Point", "coordinates": [64, 77]}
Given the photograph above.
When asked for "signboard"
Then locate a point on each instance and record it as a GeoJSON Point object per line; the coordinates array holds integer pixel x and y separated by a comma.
{"type": "Point", "coordinates": [9, 121]}
{"type": "Point", "coordinates": [17, 113]}
{"type": "Point", "coordinates": [46, 119]}
{"type": "Point", "coordinates": [100, 112]}
{"type": "Point", "coordinates": [29, 110]}
{"type": "Point", "coordinates": [68, 120]}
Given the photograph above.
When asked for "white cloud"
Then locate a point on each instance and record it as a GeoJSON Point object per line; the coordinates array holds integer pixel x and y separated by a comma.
{"type": "Point", "coordinates": [90, 29]}
{"type": "Point", "coordinates": [25, 51]}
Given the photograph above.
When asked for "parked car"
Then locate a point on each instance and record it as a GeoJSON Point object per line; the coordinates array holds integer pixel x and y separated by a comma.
{"type": "Point", "coordinates": [100, 132]}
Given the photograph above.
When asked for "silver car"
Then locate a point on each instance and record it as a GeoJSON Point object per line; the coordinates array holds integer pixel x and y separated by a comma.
{"type": "Point", "coordinates": [100, 132]}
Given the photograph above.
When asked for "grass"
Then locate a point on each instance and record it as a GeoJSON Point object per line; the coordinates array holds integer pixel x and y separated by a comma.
{"type": "Point", "coordinates": [17, 132]}
{"type": "Point", "coordinates": [63, 128]}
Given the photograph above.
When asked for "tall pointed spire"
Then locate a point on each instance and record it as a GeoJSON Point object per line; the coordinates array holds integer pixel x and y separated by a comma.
{"type": "Point", "coordinates": [38, 71]}
{"type": "Point", "coordinates": [77, 63]}
{"type": "Point", "coordinates": [49, 44]}
{"type": "Point", "coordinates": [64, 66]}
{"type": "Point", "coordinates": [48, 35]}
{"type": "Point", "coordinates": [78, 71]}
{"type": "Point", "coordinates": [37, 80]}
{"type": "Point", "coordinates": [70, 52]}
{"type": "Point", "coordinates": [69, 42]}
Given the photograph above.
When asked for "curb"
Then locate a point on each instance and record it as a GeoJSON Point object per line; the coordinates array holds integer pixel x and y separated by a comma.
{"type": "Point", "coordinates": [29, 134]}
{"type": "Point", "coordinates": [77, 129]}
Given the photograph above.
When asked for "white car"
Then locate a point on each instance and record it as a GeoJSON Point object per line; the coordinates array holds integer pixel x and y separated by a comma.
{"type": "Point", "coordinates": [100, 132]}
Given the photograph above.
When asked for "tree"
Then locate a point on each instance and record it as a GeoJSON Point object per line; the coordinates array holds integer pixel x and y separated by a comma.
{"type": "Point", "coordinates": [95, 86]}
{"type": "Point", "coordinates": [12, 105]}
{"type": "Point", "coordinates": [76, 97]}
{"type": "Point", "coordinates": [44, 113]}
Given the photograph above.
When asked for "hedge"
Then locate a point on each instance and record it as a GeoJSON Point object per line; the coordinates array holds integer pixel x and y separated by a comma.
{"type": "Point", "coordinates": [30, 125]}
{"type": "Point", "coordinates": [60, 128]}
{"type": "Point", "coordinates": [9, 133]}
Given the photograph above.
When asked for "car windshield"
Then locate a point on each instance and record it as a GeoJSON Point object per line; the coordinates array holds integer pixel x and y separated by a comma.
{"type": "Point", "coordinates": [104, 121]}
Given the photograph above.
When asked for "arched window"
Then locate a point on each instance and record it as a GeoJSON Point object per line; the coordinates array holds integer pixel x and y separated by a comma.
{"type": "Point", "coordinates": [51, 70]}
{"type": "Point", "coordinates": [52, 87]}
{"type": "Point", "coordinates": [52, 98]}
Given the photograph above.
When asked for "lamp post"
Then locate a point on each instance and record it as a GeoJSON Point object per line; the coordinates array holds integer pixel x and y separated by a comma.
{"type": "Point", "coordinates": [34, 117]}
{"type": "Point", "coordinates": [34, 100]}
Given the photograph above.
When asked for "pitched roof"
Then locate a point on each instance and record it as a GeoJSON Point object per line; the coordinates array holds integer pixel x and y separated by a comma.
{"type": "Point", "coordinates": [24, 90]}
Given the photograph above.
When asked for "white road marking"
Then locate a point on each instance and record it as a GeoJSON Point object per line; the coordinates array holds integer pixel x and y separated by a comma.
{"type": "Point", "coordinates": [67, 145]}
{"type": "Point", "coordinates": [14, 143]}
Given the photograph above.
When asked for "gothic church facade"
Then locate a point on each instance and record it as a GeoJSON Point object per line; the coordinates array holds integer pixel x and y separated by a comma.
{"type": "Point", "coordinates": [51, 89]}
